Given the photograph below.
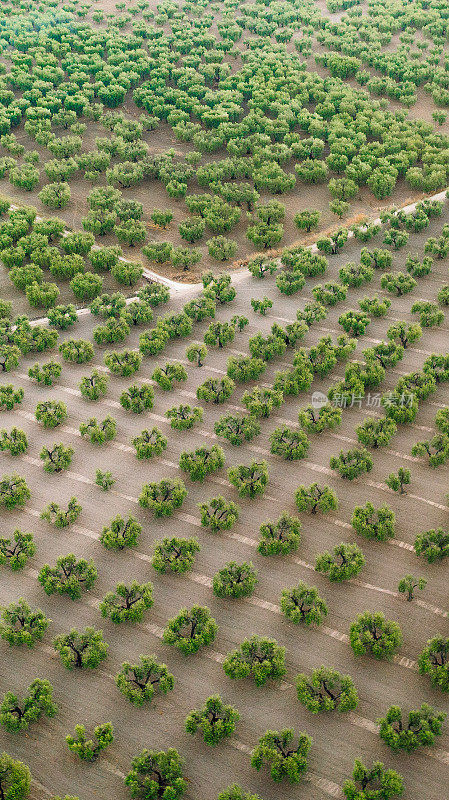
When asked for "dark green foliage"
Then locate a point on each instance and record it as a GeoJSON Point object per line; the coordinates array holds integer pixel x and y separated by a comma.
{"type": "Point", "coordinates": [367, 782]}
{"type": "Point", "coordinates": [69, 576]}
{"type": "Point", "coordinates": [215, 720]}
{"type": "Point", "coordinates": [87, 749]}
{"type": "Point", "coordinates": [345, 561]}
{"type": "Point", "coordinates": [258, 658]}
{"type": "Point", "coordinates": [326, 690]}
{"type": "Point", "coordinates": [372, 634]}
{"type": "Point", "coordinates": [191, 629]}
{"type": "Point", "coordinates": [283, 757]}
{"type": "Point", "coordinates": [16, 715]}
{"type": "Point", "coordinates": [120, 533]}
{"type": "Point", "coordinates": [303, 604]}
{"type": "Point", "coordinates": [59, 517]}
{"type": "Point", "coordinates": [175, 555]}
{"type": "Point", "coordinates": [15, 552]}
{"type": "Point", "coordinates": [127, 603]}
{"type": "Point", "coordinates": [235, 580]}
{"type": "Point", "coordinates": [155, 773]}
{"type": "Point", "coordinates": [79, 650]}
{"type": "Point", "coordinates": [139, 682]}
{"type": "Point", "coordinates": [419, 730]}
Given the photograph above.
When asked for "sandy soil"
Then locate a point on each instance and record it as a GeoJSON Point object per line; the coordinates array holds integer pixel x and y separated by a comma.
{"type": "Point", "coordinates": [93, 698]}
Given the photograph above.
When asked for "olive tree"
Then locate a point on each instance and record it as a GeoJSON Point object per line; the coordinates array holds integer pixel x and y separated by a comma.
{"type": "Point", "coordinates": [196, 353]}
{"type": "Point", "coordinates": [10, 397]}
{"type": "Point", "coordinates": [57, 458]}
{"type": "Point", "coordinates": [373, 634]}
{"type": "Point", "coordinates": [250, 480]}
{"type": "Point", "coordinates": [291, 445]}
{"type": "Point", "coordinates": [99, 432]}
{"type": "Point", "coordinates": [17, 715]}
{"type": "Point", "coordinates": [16, 551]}
{"type": "Point", "coordinates": [285, 757]}
{"type": "Point", "coordinates": [419, 729]}
{"type": "Point", "coordinates": [202, 462]}
{"type": "Point", "coordinates": [316, 498]}
{"type": "Point", "coordinates": [88, 749]}
{"type": "Point", "coordinates": [374, 523]}
{"type": "Point", "coordinates": [184, 417]}
{"type": "Point", "coordinates": [45, 374]}
{"type": "Point", "coordinates": [326, 690]}
{"type": "Point", "coordinates": [60, 517]}
{"type": "Point", "coordinates": [258, 658]}
{"type": "Point", "coordinates": [218, 514]}
{"type": "Point", "coordinates": [51, 413]}
{"type": "Point", "coordinates": [127, 603]}
{"type": "Point", "coordinates": [215, 390]}
{"type": "Point", "coordinates": [69, 576]}
{"type": "Point", "coordinates": [235, 580]}
{"type": "Point", "coordinates": [104, 480]}
{"type": "Point", "coordinates": [139, 682]}
{"type": "Point", "coordinates": [156, 773]}
{"type": "Point", "coordinates": [149, 443]}
{"type": "Point", "coordinates": [84, 649]}
{"type": "Point", "coordinates": [345, 561]}
{"type": "Point", "coordinates": [237, 430]}
{"type": "Point", "coordinates": [303, 604]}
{"type": "Point", "coordinates": [137, 398]}
{"type": "Point", "coordinates": [376, 432]}
{"type": "Point", "coordinates": [166, 376]}
{"type": "Point", "coordinates": [15, 441]}
{"type": "Point", "coordinates": [175, 555]}
{"type": "Point", "coordinates": [408, 584]}
{"type": "Point", "coordinates": [281, 537]}
{"type": "Point", "coordinates": [94, 386]}
{"type": "Point", "coordinates": [215, 720]}
{"type": "Point", "coordinates": [15, 778]}
{"type": "Point", "coordinates": [433, 544]}
{"type": "Point", "coordinates": [21, 624]}
{"type": "Point", "coordinates": [77, 351]}
{"type": "Point", "coordinates": [14, 491]}
{"type": "Point", "coordinates": [352, 464]}
{"type": "Point", "coordinates": [386, 783]}
{"type": "Point", "coordinates": [163, 498]}
{"type": "Point", "coordinates": [120, 533]}
{"type": "Point", "coordinates": [191, 629]}
{"type": "Point", "coordinates": [123, 363]}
